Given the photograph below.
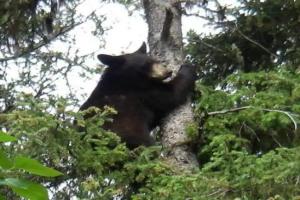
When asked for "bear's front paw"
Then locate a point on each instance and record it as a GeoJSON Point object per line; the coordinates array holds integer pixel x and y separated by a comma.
{"type": "Point", "coordinates": [188, 70]}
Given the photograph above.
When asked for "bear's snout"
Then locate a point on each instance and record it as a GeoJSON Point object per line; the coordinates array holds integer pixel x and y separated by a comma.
{"type": "Point", "coordinates": [160, 72]}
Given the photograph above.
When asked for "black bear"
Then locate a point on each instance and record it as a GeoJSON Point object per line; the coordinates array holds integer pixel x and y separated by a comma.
{"type": "Point", "coordinates": [134, 84]}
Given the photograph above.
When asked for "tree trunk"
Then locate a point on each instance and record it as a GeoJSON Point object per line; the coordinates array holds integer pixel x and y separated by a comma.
{"type": "Point", "coordinates": [165, 41]}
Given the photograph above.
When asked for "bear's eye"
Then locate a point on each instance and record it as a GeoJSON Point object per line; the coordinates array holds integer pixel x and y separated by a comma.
{"type": "Point", "coordinates": [147, 65]}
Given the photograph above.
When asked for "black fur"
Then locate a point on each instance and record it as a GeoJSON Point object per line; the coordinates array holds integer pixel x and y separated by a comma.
{"type": "Point", "coordinates": [141, 101]}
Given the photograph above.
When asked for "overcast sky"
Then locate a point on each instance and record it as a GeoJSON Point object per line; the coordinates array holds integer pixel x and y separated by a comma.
{"type": "Point", "coordinates": [125, 34]}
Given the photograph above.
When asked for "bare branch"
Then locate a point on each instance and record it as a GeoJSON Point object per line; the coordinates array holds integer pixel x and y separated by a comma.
{"type": "Point", "coordinates": [254, 42]}
{"type": "Point", "coordinates": [286, 113]}
{"type": "Point", "coordinates": [212, 47]}
{"type": "Point", "coordinates": [196, 15]}
{"type": "Point", "coordinates": [262, 109]}
{"type": "Point", "coordinates": [252, 131]}
{"type": "Point", "coordinates": [41, 43]}
{"type": "Point", "coordinates": [47, 40]}
{"type": "Point", "coordinates": [276, 141]}
{"type": "Point", "coordinates": [228, 111]}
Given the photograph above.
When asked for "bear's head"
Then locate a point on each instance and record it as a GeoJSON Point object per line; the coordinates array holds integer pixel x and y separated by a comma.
{"type": "Point", "coordinates": [135, 66]}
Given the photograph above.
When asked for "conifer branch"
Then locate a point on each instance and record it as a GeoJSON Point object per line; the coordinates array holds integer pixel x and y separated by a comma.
{"type": "Point", "coordinates": [262, 109]}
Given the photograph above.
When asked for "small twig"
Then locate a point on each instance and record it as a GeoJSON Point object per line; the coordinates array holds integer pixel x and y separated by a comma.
{"type": "Point", "coordinates": [262, 109]}
{"type": "Point", "coordinates": [254, 42]}
{"type": "Point", "coordinates": [254, 133]}
{"type": "Point", "coordinates": [276, 141]}
{"type": "Point", "coordinates": [241, 128]}
{"type": "Point", "coordinates": [219, 192]}
{"type": "Point", "coordinates": [297, 180]}
{"type": "Point", "coordinates": [212, 47]}
{"type": "Point", "coordinates": [41, 43]}
{"type": "Point", "coordinates": [46, 41]}
{"type": "Point", "coordinates": [196, 15]}
{"type": "Point", "coordinates": [229, 110]}
{"type": "Point", "coordinates": [215, 192]}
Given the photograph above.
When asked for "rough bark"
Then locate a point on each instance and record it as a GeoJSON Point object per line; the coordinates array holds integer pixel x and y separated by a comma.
{"type": "Point", "coordinates": [165, 41]}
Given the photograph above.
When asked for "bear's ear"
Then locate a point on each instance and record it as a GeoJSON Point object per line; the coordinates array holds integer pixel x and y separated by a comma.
{"type": "Point", "coordinates": [142, 49]}
{"type": "Point", "coordinates": [111, 60]}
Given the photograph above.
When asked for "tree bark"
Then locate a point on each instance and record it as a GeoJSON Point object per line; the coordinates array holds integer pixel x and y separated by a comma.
{"type": "Point", "coordinates": [165, 41]}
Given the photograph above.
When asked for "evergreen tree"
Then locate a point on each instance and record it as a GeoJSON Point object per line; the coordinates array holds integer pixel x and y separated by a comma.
{"type": "Point", "coordinates": [246, 108]}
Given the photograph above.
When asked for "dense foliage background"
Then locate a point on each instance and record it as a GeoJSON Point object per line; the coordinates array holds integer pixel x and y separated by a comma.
{"type": "Point", "coordinates": [246, 103]}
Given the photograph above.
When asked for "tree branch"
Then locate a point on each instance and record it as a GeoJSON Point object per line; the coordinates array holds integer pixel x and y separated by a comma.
{"type": "Point", "coordinates": [41, 43]}
{"type": "Point", "coordinates": [196, 15]}
{"type": "Point", "coordinates": [262, 109]}
{"type": "Point", "coordinates": [254, 42]}
{"type": "Point", "coordinates": [212, 47]}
